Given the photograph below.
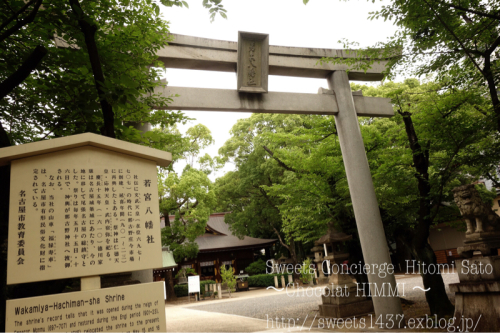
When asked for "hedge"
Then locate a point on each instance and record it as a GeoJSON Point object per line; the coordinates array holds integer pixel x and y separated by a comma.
{"type": "Point", "coordinates": [182, 289]}
{"type": "Point", "coordinates": [266, 280]}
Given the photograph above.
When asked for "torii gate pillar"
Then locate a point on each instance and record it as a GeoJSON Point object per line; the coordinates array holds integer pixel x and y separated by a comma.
{"type": "Point", "coordinates": [366, 209]}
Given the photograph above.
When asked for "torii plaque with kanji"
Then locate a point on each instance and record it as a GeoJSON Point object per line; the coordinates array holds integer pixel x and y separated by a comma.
{"type": "Point", "coordinates": [80, 206]}
{"type": "Point", "coordinates": [253, 62]}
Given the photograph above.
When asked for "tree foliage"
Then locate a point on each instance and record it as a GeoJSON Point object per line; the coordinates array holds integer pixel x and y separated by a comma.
{"type": "Point", "coordinates": [228, 278]}
{"type": "Point", "coordinates": [60, 97]}
{"type": "Point", "coordinates": [456, 41]}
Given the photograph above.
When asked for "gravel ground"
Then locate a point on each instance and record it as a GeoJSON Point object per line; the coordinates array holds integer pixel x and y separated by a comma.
{"type": "Point", "coordinates": [300, 305]}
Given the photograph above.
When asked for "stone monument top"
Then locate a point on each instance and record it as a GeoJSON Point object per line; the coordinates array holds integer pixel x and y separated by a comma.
{"type": "Point", "coordinates": [9, 154]}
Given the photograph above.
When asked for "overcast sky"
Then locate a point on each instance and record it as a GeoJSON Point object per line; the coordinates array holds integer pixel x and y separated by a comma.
{"type": "Point", "coordinates": [319, 24]}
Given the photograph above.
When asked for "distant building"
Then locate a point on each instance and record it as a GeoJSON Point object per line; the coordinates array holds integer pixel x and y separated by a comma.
{"type": "Point", "coordinates": [219, 247]}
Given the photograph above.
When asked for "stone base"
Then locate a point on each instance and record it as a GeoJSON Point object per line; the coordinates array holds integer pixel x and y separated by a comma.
{"type": "Point", "coordinates": [477, 304]}
{"type": "Point", "coordinates": [481, 269]}
{"type": "Point", "coordinates": [487, 243]}
{"type": "Point", "coordinates": [346, 310]}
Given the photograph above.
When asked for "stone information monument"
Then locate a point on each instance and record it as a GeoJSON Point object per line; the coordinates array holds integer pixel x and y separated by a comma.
{"type": "Point", "coordinates": [83, 206]}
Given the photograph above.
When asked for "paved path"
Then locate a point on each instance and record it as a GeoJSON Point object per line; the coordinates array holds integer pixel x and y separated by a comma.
{"type": "Point", "coordinates": [268, 310]}
{"type": "Point", "coordinates": [185, 319]}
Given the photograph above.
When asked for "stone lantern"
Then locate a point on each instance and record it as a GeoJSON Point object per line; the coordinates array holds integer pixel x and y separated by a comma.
{"type": "Point", "coordinates": [319, 251]}
{"type": "Point", "coordinates": [340, 297]}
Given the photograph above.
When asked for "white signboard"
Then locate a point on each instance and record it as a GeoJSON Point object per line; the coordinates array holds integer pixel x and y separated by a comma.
{"type": "Point", "coordinates": [194, 284]}
{"type": "Point", "coordinates": [138, 308]}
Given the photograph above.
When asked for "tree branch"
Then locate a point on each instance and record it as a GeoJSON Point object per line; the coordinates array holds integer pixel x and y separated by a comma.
{"type": "Point", "coordinates": [281, 163]}
{"type": "Point", "coordinates": [493, 46]}
{"type": "Point", "coordinates": [21, 23]}
{"type": "Point", "coordinates": [483, 14]}
{"type": "Point", "coordinates": [281, 240]}
{"type": "Point", "coordinates": [454, 36]}
{"type": "Point", "coordinates": [22, 72]}
{"type": "Point", "coordinates": [89, 31]}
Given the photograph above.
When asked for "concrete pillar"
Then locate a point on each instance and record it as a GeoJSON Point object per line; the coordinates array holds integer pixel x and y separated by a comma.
{"type": "Point", "coordinates": [364, 202]}
{"type": "Point", "coordinates": [276, 282]}
{"type": "Point", "coordinates": [290, 281]}
{"type": "Point", "coordinates": [219, 290]}
{"type": "Point", "coordinates": [283, 283]}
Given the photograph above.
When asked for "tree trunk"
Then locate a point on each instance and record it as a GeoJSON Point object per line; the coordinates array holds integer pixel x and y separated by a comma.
{"type": "Point", "coordinates": [436, 297]}
{"type": "Point", "coordinates": [28, 66]}
{"type": "Point", "coordinates": [89, 30]}
{"type": "Point", "coordinates": [355, 258]}
{"type": "Point", "coordinates": [169, 286]}
{"type": "Point", "coordinates": [492, 88]}
{"type": "Point", "coordinates": [419, 246]}
{"type": "Point", "coordinates": [293, 256]}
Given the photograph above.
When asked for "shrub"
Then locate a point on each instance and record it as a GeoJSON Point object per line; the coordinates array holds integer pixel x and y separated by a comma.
{"type": "Point", "coordinates": [184, 272]}
{"type": "Point", "coordinates": [306, 273]}
{"type": "Point", "coordinates": [228, 277]}
{"type": "Point", "coordinates": [257, 267]}
{"type": "Point", "coordinates": [182, 289]}
{"type": "Point", "coordinates": [265, 280]}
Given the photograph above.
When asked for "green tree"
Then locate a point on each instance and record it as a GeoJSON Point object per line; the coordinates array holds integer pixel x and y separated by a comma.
{"type": "Point", "coordinates": [100, 81]}
{"type": "Point", "coordinates": [228, 278]}
{"type": "Point", "coordinates": [253, 211]}
{"type": "Point", "coordinates": [189, 197]}
{"type": "Point", "coordinates": [306, 272]}
{"type": "Point", "coordinates": [455, 40]}
{"type": "Point", "coordinates": [437, 140]}
{"type": "Point", "coordinates": [68, 67]}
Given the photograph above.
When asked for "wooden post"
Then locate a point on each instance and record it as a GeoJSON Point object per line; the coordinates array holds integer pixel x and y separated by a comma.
{"type": "Point", "coordinates": [283, 284]}
{"type": "Point", "coordinates": [290, 281]}
{"type": "Point", "coordinates": [276, 282]}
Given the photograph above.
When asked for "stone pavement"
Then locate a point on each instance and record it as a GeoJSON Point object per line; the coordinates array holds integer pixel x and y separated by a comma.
{"type": "Point", "coordinates": [256, 310]}
{"type": "Point", "coordinates": [184, 319]}
{"type": "Point", "coordinates": [182, 316]}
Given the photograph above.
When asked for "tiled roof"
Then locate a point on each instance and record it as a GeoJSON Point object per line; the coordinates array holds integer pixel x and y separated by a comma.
{"type": "Point", "coordinates": [225, 241]}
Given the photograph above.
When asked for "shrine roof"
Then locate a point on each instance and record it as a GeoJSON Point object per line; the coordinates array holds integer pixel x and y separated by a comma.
{"type": "Point", "coordinates": [9, 154]}
{"type": "Point", "coordinates": [224, 240]}
{"type": "Point", "coordinates": [219, 238]}
{"type": "Point", "coordinates": [226, 243]}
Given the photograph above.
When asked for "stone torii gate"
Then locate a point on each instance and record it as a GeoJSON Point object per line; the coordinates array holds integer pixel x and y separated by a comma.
{"type": "Point", "coordinates": [253, 60]}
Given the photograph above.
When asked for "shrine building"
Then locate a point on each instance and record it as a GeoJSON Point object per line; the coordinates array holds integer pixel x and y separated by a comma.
{"type": "Point", "coordinates": [219, 247]}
